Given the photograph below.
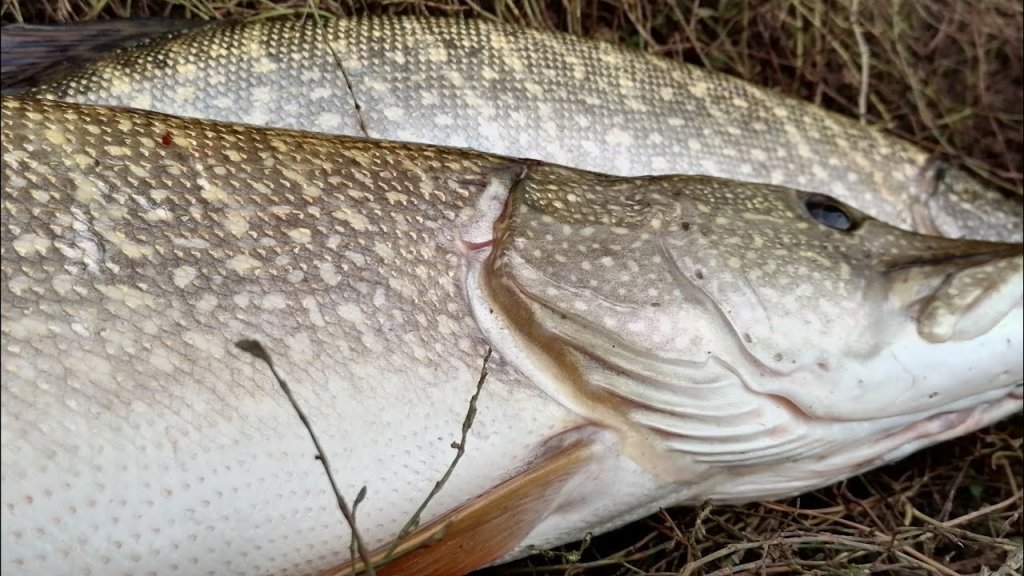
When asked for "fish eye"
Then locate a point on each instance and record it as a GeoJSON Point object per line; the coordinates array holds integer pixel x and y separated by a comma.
{"type": "Point", "coordinates": [829, 212]}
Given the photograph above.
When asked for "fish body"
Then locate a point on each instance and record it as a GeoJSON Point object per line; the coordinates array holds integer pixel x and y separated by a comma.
{"type": "Point", "coordinates": [656, 341]}
{"type": "Point", "coordinates": [525, 93]}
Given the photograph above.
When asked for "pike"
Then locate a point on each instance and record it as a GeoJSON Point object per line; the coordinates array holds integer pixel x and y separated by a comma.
{"type": "Point", "coordinates": [656, 341]}
{"type": "Point", "coordinates": [520, 92]}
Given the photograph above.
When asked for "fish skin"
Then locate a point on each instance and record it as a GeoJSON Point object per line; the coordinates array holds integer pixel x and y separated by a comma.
{"type": "Point", "coordinates": [139, 248]}
{"type": "Point", "coordinates": [131, 268]}
{"type": "Point", "coordinates": [525, 93]}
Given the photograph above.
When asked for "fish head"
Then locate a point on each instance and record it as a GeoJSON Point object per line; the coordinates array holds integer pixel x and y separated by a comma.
{"type": "Point", "coordinates": [749, 324]}
{"type": "Point", "coordinates": [957, 205]}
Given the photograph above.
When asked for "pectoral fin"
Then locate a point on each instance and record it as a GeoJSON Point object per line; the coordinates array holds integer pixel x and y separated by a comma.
{"type": "Point", "coordinates": [486, 528]}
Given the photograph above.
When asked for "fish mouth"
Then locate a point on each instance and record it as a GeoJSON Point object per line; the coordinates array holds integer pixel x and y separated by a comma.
{"type": "Point", "coordinates": [946, 424]}
{"type": "Point", "coordinates": [891, 440]}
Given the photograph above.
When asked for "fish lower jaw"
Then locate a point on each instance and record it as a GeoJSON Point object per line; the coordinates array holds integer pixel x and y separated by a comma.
{"type": "Point", "coordinates": [904, 440]}
{"type": "Point", "coordinates": [944, 425]}
{"type": "Point", "coordinates": [876, 444]}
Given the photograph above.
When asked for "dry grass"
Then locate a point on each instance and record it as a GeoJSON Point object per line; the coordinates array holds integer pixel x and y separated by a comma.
{"type": "Point", "coordinates": [946, 74]}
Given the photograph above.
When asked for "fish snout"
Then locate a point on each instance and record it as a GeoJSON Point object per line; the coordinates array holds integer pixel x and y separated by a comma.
{"type": "Point", "coordinates": [960, 289]}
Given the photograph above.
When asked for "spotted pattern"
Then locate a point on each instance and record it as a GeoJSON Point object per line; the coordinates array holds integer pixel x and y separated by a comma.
{"type": "Point", "coordinates": [138, 439]}
{"type": "Point", "coordinates": [531, 94]}
{"type": "Point", "coordinates": [138, 248]}
{"type": "Point", "coordinates": [665, 301]}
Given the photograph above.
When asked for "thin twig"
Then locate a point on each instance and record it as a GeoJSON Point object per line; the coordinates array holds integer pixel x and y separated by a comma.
{"type": "Point", "coordinates": [460, 449]}
{"type": "Point", "coordinates": [865, 62]}
{"type": "Point", "coordinates": [256, 349]}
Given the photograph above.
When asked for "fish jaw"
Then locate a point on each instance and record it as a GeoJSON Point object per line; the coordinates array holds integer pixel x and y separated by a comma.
{"type": "Point", "coordinates": [892, 439]}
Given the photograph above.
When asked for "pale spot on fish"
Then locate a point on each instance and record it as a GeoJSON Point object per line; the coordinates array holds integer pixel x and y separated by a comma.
{"type": "Point", "coordinates": [131, 297]}
{"type": "Point", "coordinates": [299, 346]}
{"type": "Point", "coordinates": [88, 191]}
{"type": "Point", "coordinates": [396, 197]}
{"type": "Point", "coordinates": [302, 235]}
{"type": "Point", "coordinates": [141, 99]}
{"type": "Point", "coordinates": [618, 137]}
{"type": "Point", "coordinates": [184, 93]}
{"type": "Point", "coordinates": [437, 54]}
{"type": "Point", "coordinates": [207, 303]}
{"type": "Point", "coordinates": [62, 284]}
{"type": "Point", "coordinates": [274, 301]}
{"type": "Point", "coordinates": [383, 250]}
{"type": "Point", "coordinates": [394, 113]}
{"type": "Point", "coordinates": [356, 258]}
{"type": "Point", "coordinates": [533, 88]}
{"type": "Point", "coordinates": [351, 313]}
{"type": "Point", "coordinates": [265, 65]}
{"type": "Point", "coordinates": [31, 244]}
{"type": "Point", "coordinates": [456, 78]}
{"type": "Point", "coordinates": [202, 342]}
{"type": "Point", "coordinates": [192, 243]}
{"type": "Point", "coordinates": [329, 274]}
{"type": "Point", "coordinates": [354, 219]}
{"type": "Point", "coordinates": [210, 191]}
{"type": "Point", "coordinates": [313, 310]}
{"type": "Point", "coordinates": [184, 275]}
{"type": "Point", "coordinates": [236, 222]}
{"type": "Point", "coordinates": [26, 327]}
{"type": "Point", "coordinates": [134, 249]}
{"type": "Point", "coordinates": [160, 214]}
{"type": "Point", "coordinates": [243, 263]}
{"type": "Point", "coordinates": [371, 341]}
{"type": "Point", "coordinates": [378, 297]}
{"type": "Point", "coordinates": [55, 136]}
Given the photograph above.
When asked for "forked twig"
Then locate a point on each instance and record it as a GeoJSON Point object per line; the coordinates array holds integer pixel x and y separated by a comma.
{"type": "Point", "coordinates": [460, 449]}
{"type": "Point", "coordinates": [256, 349]}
